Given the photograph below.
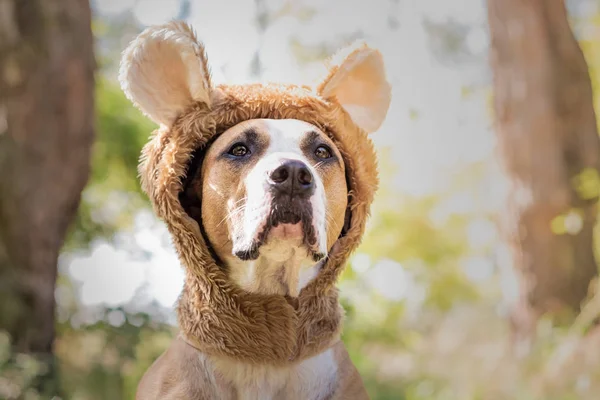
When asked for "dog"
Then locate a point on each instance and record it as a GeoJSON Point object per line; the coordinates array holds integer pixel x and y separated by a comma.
{"type": "Point", "coordinates": [277, 188]}
{"type": "Point", "coordinates": [265, 190]}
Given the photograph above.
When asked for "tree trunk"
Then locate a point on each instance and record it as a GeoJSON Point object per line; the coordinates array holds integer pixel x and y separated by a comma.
{"type": "Point", "coordinates": [549, 147]}
{"type": "Point", "coordinates": [46, 132]}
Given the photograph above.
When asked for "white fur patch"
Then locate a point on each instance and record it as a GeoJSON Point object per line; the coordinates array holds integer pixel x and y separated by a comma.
{"type": "Point", "coordinates": [313, 379]}
{"type": "Point", "coordinates": [285, 143]}
{"type": "Point", "coordinates": [284, 266]}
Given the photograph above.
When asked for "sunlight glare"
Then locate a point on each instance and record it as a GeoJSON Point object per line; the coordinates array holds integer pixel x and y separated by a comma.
{"type": "Point", "coordinates": [153, 12]}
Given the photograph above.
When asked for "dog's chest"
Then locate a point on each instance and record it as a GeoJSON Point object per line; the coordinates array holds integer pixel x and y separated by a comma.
{"type": "Point", "coordinates": [313, 379]}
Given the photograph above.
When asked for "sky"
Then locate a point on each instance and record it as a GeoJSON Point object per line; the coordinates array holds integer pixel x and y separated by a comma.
{"type": "Point", "coordinates": [437, 124]}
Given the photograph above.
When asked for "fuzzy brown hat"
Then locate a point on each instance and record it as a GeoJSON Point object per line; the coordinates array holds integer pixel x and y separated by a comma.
{"type": "Point", "coordinates": [164, 72]}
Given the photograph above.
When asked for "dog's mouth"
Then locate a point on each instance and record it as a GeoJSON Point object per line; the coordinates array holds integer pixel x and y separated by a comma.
{"type": "Point", "coordinates": [286, 217]}
{"type": "Point", "coordinates": [290, 220]}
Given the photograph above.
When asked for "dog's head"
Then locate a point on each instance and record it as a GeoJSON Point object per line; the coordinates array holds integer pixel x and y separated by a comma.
{"type": "Point", "coordinates": [264, 170]}
{"type": "Point", "coordinates": [274, 187]}
{"type": "Point", "coordinates": [258, 168]}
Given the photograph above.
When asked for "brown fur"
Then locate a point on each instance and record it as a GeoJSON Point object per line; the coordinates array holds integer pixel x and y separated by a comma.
{"type": "Point", "coordinates": [220, 183]}
{"type": "Point", "coordinates": [216, 317]}
{"type": "Point", "coordinates": [183, 373]}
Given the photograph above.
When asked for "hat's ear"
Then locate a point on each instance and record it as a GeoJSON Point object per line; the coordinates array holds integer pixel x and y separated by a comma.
{"type": "Point", "coordinates": [164, 70]}
{"type": "Point", "coordinates": [358, 82]}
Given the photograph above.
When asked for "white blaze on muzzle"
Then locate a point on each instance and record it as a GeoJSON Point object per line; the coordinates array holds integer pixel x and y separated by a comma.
{"type": "Point", "coordinates": [284, 147]}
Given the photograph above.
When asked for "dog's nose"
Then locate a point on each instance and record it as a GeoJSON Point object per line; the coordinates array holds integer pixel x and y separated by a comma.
{"type": "Point", "coordinates": [294, 178]}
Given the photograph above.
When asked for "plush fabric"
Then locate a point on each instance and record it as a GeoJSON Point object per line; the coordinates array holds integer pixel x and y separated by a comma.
{"type": "Point", "coordinates": [215, 316]}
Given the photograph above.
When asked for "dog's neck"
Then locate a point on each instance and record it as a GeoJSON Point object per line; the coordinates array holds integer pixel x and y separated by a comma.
{"type": "Point", "coordinates": [282, 268]}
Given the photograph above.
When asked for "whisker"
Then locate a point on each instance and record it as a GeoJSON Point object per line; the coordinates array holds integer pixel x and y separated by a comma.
{"type": "Point", "coordinates": [239, 201]}
{"type": "Point", "coordinates": [317, 165]}
{"type": "Point", "coordinates": [330, 219]}
{"type": "Point", "coordinates": [232, 214]}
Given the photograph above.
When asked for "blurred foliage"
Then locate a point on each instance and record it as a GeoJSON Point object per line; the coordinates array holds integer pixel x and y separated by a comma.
{"type": "Point", "coordinates": [17, 372]}
{"type": "Point", "coordinates": [106, 359]}
{"type": "Point", "coordinates": [444, 337]}
{"type": "Point", "coordinates": [113, 192]}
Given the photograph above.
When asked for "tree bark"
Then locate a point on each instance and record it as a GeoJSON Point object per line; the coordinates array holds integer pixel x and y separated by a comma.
{"type": "Point", "coordinates": [548, 142]}
{"type": "Point", "coordinates": [46, 132]}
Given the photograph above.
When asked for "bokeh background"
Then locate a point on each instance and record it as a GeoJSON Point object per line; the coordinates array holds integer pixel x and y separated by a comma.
{"type": "Point", "coordinates": [427, 295]}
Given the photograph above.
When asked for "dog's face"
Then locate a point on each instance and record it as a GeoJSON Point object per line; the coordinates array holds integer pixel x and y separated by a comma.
{"type": "Point", "coordinates": [271, 188]}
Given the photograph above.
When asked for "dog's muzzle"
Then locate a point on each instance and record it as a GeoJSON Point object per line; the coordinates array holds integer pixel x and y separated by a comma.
{"type": "Point", "coordinates": [291, 186]}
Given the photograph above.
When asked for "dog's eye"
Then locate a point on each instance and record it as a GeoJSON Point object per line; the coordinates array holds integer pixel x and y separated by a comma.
{"type": "Point", "coordinates": [239, 150]}
{"type": "Point", "coordinates": [323, 152]}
